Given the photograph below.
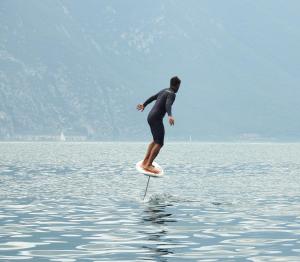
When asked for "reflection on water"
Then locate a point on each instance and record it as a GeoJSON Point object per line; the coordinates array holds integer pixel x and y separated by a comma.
{"type": "Point", "coordinates": [156, 215]}
{"type": "Point", "coordinates": [83, 202]}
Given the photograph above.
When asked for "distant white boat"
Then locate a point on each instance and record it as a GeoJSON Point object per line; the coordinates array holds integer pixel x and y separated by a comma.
{"type": "Point", "coordinates": [190, 138]}
{"type": "Point", "coordinates": [62, 137]}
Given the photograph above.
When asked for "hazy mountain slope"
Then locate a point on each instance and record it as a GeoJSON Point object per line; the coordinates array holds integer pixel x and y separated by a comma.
{"type": "Point", "coordinates": [82, 66]}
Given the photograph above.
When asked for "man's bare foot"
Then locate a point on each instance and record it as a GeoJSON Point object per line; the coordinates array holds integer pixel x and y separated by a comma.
{"type": "Point", "coordinates": [143, 165]}
{"type": "Point", "coordinates": [151, 169]}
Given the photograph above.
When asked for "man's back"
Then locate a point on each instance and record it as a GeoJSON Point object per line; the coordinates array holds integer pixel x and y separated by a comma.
{"type": "Point", "coordinates": [164, 100]}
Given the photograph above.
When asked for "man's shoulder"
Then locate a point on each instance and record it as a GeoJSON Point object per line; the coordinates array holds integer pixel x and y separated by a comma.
{"type": "Point", "coordinates": [162, 91]}
{"type": "Point", "coordinates": [170, 92]}
{"type": "Point", "coordinates": [167, 92]}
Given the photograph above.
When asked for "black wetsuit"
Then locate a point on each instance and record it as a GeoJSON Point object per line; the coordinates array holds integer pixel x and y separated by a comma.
{"type": "Point", "coordinates": [164, 100]}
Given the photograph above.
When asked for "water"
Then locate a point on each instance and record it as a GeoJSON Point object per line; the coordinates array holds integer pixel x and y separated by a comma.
{"type": "Point", "coordinates": [83, 202]}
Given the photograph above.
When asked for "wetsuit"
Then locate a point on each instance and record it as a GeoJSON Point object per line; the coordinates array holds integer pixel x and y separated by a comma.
{"type": "Point", "coordinates": [164, 100]}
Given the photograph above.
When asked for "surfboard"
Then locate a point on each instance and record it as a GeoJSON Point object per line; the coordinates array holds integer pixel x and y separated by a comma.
{"type": "Point", "coordinates": [147, 173]}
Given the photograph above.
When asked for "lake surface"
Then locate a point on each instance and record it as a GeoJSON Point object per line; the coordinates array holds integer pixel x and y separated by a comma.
{"type": "Point", "coordinates": [84, 202]}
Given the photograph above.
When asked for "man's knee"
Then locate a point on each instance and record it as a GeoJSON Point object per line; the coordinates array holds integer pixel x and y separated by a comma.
{"type": "Point", "coordinates": [160, 143]}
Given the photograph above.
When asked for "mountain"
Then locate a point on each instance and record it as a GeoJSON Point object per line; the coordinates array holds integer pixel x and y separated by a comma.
{"type": "Point", "coordinates": [82, 66]}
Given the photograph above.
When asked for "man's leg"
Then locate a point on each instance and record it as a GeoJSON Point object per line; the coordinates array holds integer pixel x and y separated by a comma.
{"type": "Point", "coordinates": [158, 132]}
{"type": "Point", "coordinates": [154, 152]}
{"type": "Point", "coordinates": [151, 145]}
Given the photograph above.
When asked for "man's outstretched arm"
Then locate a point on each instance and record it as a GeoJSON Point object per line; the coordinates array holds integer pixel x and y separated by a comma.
{"type": "Point", "coordinates": [148, 101]}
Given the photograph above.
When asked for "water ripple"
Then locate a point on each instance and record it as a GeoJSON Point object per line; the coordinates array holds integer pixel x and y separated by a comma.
{"type": "Point", "coordinates": [83, 202]}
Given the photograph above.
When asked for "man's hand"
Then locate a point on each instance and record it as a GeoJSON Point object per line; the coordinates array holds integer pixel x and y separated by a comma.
{"type": "Point", "coordinates": [140, 107]}
{"type": "Point", "coordinates": [171, 120]}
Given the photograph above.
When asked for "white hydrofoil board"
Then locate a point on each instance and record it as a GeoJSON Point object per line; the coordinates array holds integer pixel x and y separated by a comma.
{"type": "Point", "coordinates": [147, 173]}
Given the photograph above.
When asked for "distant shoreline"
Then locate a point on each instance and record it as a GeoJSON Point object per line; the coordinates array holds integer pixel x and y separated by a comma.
{"type": "Point", "coordinates": [167, 142]}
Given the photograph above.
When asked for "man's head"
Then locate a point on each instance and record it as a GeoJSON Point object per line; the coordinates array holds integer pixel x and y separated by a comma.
{"type": "Point", "coordinates": [175, 83]}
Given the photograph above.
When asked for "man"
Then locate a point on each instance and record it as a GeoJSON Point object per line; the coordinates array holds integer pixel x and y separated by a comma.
{"type": "Point", "coordinates": [164, 100]}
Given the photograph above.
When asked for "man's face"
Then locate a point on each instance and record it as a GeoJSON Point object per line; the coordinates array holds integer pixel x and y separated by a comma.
{"type": "Point", "coordinates": [177, 88]}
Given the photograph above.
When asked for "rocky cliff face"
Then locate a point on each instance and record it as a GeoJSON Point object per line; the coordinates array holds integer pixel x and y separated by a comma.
{"type": "Point", "coordinates": [82, 66]}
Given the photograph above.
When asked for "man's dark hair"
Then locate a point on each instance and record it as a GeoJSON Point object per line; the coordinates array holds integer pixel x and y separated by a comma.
{"type": "Point", "coordinates": [175, 81]}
